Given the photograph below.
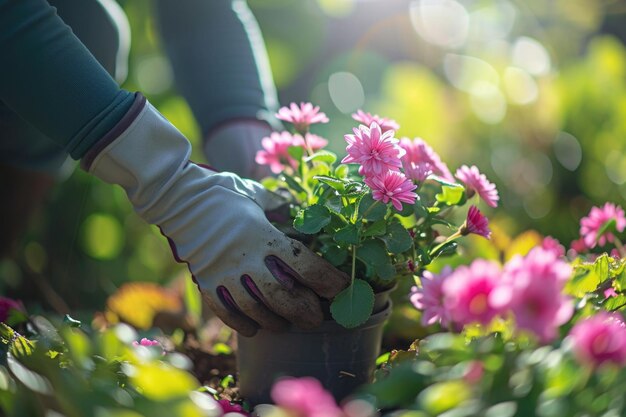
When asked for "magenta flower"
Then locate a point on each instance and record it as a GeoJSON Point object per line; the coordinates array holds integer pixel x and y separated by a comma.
{"type": "Point", "coordinates": [7, 305]}
{"type": "Point", "coordinates": [377, 152]}
{"type": "Point", "coordinates": [598, 216]}
{"type": "Point", "coordinates": [532, 289]}
{"type": "Point", "coordinates": [302, 116]}
{"type": "Point", "coordinates": [367, 119]}
{"type": "Point", "coordinates": [392, 186]}
{"type": "Point", "coordinates": [419, 153]}
{"type": "Point", "coordinates": [475, 223]}
{"type": "Point", "coordinates": [477, 183]}
{"type": "Point", "coordinates": [600, 339]}
{"type": "Point", "coordinates": [551, 244]}
{"type": "Point", "coordinates": [275, 151]}
{"type": "Point", "coordinates": [146, 342]}
{"type": "Point", "coordinates": [467, 292]}
{"type": "Point", "coordinates": [230, 407]}
{"type": "Point", "coordinates": [428, 298]}
{"type": "Point", "coordinates": [579, 246]}
{"type": "Point", "coordinates": [305, 397]}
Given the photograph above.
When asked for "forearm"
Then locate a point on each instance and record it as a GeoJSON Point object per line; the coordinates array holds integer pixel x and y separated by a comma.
{"type": "Point", "coordinates": [53, 81]}
{"type": "Point", "coordinates": [219, 60]}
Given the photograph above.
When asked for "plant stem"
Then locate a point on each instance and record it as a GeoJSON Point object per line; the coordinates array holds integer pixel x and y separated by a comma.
{"type": "Point", "coordinates": [450, 238]}
{"type": "Point", "coordinates": [353, 265]}
{"type": "Point", "coordinates": [620, 247]}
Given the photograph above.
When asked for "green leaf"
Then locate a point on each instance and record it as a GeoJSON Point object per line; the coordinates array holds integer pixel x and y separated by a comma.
{"type": "Point", "coordinates": [446, 250]}
{"type": "Point", "coordinates": [607, 227]}
{"type": "Point", "coordinates": [335, 183]}
{"type": "Point", "coordinates": [588, 276]}
{"type": "Point", "coordinates": [271, 183]}
{"type": "Point", "coordinates": [342, 171]}
{"type": "Point", "coordinates": [443, 182]}
{"type": "Point", "coordinates": [385, 271]}
{"type": "Point", "coordinates": [335, 255]}
{"type": "Point", "coordinates": [348, 235]}
{"type": "Point", "coordinates": [375, 213]}
{"type": "Point", "coordinates": [18, 345]}
{"type": "Point", "coordinates": [375, 229]}
{"type": "Point", "coordinates": [615, 303]}
{"type": "Point", "coordinates": [293, 183]}
{"type": "Point", "coordinates": [419, 209]}
{"type": "Point", "coordinates": [334, 204]}
{"type": "Point", "coordinates": [372, 252]}
{"type": "Point", "coordinates": [296, 152]}
{"type": "Point", "coordinates": [450, 195]}
{"type": "Point", "coordinates": [322, 156]}
{"type": "Point", "coordinates": [397, 238]}
{"type": "Point", "coordinates": [312, 219]}
{"type": "Point", "coordinates": [353, 306]}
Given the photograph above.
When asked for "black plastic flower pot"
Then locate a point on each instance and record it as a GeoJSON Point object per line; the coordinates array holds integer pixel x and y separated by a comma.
{"type": "Point", "coordinates": [341, 359]}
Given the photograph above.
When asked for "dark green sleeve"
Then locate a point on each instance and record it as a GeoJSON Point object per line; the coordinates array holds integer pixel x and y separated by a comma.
{"type": "Point", "coordinates": [219, 59]}
{"type": "Point", "coordinates": [50, 79]}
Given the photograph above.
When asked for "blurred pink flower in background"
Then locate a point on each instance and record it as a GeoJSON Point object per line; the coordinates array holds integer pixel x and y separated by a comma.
{"type": "Point", "coordinates": [230, 407]}
{"type": "Point", "coordinates": [392, 186]}
{"type": "Point", "coordinates": [590, 226]}
{"type": "Point", "coordinates": [275, 151]}
{"type": "Point", "coordinates": [7, 305]}
{"type": "Point", "coordinates": [600, 339]}
{"type": "Point", "coordinates": [553, 245]}
{"type": "Point", "coordinates": [146, 342]}
{"type": "Point", "coordinates": [302, 116]}
{"type": "Point", "coordinates": [532, 289]}
{"type": "Point", "coordinates": [419, 152]}
{"type": "Point", "coordinates": [428, 298]}
{"type": "Point", "coordinates": [314, 142]}
{"type": "Point", "coordinates": [418, 172]}
{"type": "Point", "coordinates": [367, 119]}
{"type": "Point", "coordinates": [477, 183]}
{"type": "Point", "coordinates": [377, 152]}
{"type": "Point", "coordinates": [578, 246]}
{"type": "Point", "coordinates": [476, 223]}
{"type": "Point", "coordinates": [305, 397]}
{"type": "Point", "coordinates": [467, 292]}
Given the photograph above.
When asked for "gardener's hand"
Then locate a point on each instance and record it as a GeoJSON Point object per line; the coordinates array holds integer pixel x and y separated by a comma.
{"type": "Point", "coordinates": [250, 274]}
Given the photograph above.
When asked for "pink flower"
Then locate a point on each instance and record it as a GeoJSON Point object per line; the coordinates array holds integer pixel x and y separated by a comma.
{"type": "Point", "coordinates": [302, 116]}
{"type": "Point", "coordinates": [230, 407]}
{"type": "Point", "coordinates": [313, 141]}
{"type": "Point", "coordinates": [551, 244]}
{"type": "Point", "coordinates": [275, 151]}
{"type": "Point", "coordinates": [367, 119]}
{"type": "Point", "coordinates": [418, 172]}
{"type": "Point", "coordinates": [419, 152]}
{"type": "Point", "coordinates": [610, 292]}
{"type": "Point", "coordinates": [532, 289]}
{"type": "Point", "coordinates": [578, 246]}
{"type": "Point", "coordinates": [475, 223]}
{"type": "Point", "coordinates": [600, 339]}
{"type": "Point", "coordinates": [474, 372]}
{"type": "Point", "coordinates": [467, 292]}
{"type": "Point", "coordinates": [377, 152]}
{"type": "Point", "coordinates": [146, 342]}
{"type": "Point", "coordinates": [598, 216]}
{"type": "Point", "coordinates": [392, 186]}
{"type": "Point", "coordinates": [428, 298]}
{"type": "Point", "coordinates": [6, 306]}
{"type": "Point", "coordinates": [475, 182]}
{"type": "Point", "coordinates": [305, 397]}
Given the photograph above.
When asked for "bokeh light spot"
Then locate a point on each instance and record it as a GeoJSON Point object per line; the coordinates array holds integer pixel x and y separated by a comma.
{"type": "Point", "coordinates": [441, 22]}
{"type": "Point", "coordinates": [346, 91]}
{"type": "Point", "coordinates": [153, 74]}
{"type": "Point", "coordinates": [530, 55]}
{"type": "Point", "coordinates": [103, 237]}
{"type": "Point", "coordinates": [488, 103]}
{"type": "Point", "coordinates": [468, 73]}
{"type": "Point", "coordinates": [520, 87]}
{"type": "Point", "coordinates": [568, 151]}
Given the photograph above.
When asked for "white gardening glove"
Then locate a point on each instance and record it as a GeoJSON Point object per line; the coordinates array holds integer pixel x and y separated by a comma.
{"type": "Point", "coordinates": [251, 274]}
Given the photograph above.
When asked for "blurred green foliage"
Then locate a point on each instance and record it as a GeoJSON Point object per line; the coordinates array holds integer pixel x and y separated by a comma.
{"type": "Point", "coordinates": [532, 92]}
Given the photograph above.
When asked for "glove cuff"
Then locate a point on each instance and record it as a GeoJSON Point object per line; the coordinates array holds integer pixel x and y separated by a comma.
{"type": "Point", "coordinates": [144, 154]}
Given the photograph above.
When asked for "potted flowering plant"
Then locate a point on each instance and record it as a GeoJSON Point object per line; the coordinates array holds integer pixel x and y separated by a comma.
{"type": "Point", "coordinates": [382, 213]}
